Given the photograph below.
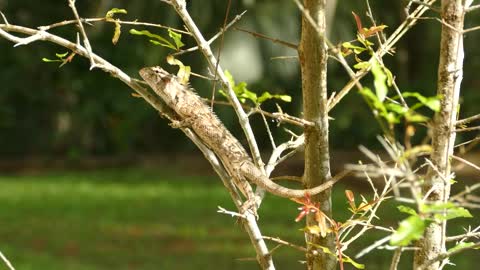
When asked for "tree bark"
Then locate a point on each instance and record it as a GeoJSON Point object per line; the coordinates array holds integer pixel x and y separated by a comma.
{"type": "Point", "coordinates": [313, 61]}
{"type": "Point", "coordinates": [450, 72]}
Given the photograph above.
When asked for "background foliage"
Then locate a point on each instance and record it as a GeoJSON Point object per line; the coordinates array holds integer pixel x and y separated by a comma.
{"type": "Point", "coordinates": [46, 110]}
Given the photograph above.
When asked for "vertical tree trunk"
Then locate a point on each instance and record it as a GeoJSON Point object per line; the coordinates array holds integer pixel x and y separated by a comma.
{"type": "Point", "coordinates": [313, 61]}
{"type": "Point", "coordinates": [443, 137]}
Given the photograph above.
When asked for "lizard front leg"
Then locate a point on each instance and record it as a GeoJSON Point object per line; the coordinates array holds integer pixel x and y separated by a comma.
{"type": "Point", "coordinates": [184, 123]}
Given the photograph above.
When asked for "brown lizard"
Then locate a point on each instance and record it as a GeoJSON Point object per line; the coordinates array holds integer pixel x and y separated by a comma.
{"type": "Point", "coordinates": [198, 116]}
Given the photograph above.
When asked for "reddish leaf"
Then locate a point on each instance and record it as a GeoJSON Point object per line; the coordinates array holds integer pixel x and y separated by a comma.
{"type": "Point", "coordinates": [358, 21]}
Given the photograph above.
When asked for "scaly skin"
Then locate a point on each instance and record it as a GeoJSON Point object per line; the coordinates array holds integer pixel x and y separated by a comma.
{"type": "Point", "coordinates": [194, 113]}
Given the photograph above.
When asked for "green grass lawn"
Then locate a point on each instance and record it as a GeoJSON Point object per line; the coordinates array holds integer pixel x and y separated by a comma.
{"type": "Point", "coordinates": [143, 219]}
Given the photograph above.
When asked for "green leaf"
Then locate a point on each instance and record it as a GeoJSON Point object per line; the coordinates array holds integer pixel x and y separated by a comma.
{"type": "Point", "coordinates": [159, 40]}
{"type": "Point", "coordinates": [183, 72]}
{"type": "Point", "coordinates": [61, 55]}
{"type": "Point", "coordinates": [445, 211]}
{"type": "Point", "coordinates": [433, 103]}
{"type": "Point", "coordinates": [51, 60]}
{"type": "Point", "coordinates": [266, 96]}
{"type": "Point", "coordinates": [114, 11]}
{"type": "Point", "coordinates": [461, 246]}
{"type": "Point", "coordinates": [409, 229]}
{"type": "Point", "coordinates": [397, 108]}
{"type": "Point", "coordinates": [116, 33]}
{"type": "Point", "coordinates": [379, 81]}
{"type": "Point", "coordinates": [355, 264]}
{"type": "Point", "coordinates": [362, 65]}
{"type": "Point", "coordinates": [356, 49]}
{"type": "Point", "coordinates": [373, 99]}
{"type": "Point", "coordinates": [177, 38]}
{"type": "Point", "coordinates": [456, 212]}
{"type": "Point", "coordinates": [416, 117]}
{"type": "Point", "coordinates": [407, 210]}
{"type": "Point", "coordinates": [324, 249]}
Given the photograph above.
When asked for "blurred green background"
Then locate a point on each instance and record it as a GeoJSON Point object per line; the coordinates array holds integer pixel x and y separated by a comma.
{"type": "Point", "coordinates": [133, 216]}
{"type": "Point", "coordinates": [69, 111]}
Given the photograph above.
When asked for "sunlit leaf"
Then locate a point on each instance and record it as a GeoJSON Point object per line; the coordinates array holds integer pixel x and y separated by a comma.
{"type": "Point", "coordinates": [116, 33]}
{"type": "Point", "coordinates": [51, 60]}
{"type": "Point", "coordinates": [244, 94]}
{"type": "Point", "coordinates": [176, 37]}
{"type": "Point", "coordinates": [433, 103]}
{"type": "Point", "coordinates": [397, 108]}
{"type": "Point", "coordinates": [362, 65]}
{"type": "Point", "coordinates": [266, 96]}
{"type": "Point", "coordinates": [461, 245]}
{"type": "Point", "coordinates": [158, 40]}
{"type": "Point", "coordinates": [368, 32]}
{"type": "Point", "coordinates": [407, 210]}
{"type": "Point", "coordinates": [347, 259]}
{"type": "Point", "coordinates": [114, 11]}
{"type": "Point", "coordinates": [418, 150]}
{"type": "Point", "coordinates": [324, 249]}
{"type": "Point", "coordinates": [416, 117]}
{"type": "Point", "coordinates": [446, 211]}
{"type": "Point", "coordinates": [61, 55]}
{"type": "Point", "coordinates": [380, 79]}
{"type": "Point", "coordinates": [183, 72]}
{"type": "Point", "coordinates": [316, 230]}
{"type": "Point", "coordinates": [356, 49]}
{"type": "Point", "coordinates": [410, 229]}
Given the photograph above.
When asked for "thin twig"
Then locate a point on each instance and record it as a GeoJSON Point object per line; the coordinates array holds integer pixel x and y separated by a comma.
{"type": "Point", "coordinates": [274, 40]}
{"type": "Point", "coordinates": [103, 19]}
{"type": "Point", "coordinates": [472, 8]}
{"type": "Point", "coordinates": [396, 258]}
{"type": "Point", "coordinates": [215, 37]}
{"type": "Point", "coordinates": [463, 236]}
{"type": "Point", "coordinates": [373, 246]}
{"type": "Point", "coordinates": [467, 129]}
{"type": "Point", "coordinates": [86, 42]}
{"type": "Point", "coordinates": [283, 242]}
{"type": "Point", "coordinates": [464, 161]}
{"type": "Point", "coordinates": [279, 116]}
{"type": "Point", "coordinates": [448, 254]}
{"type": "Point", "coordinates": [219, 51]}
{"type": "Point", "coordinates": [467, 120]}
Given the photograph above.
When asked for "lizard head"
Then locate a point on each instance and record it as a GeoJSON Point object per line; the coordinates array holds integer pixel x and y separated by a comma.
{"type": "Point", "coordinates": [161, 81]}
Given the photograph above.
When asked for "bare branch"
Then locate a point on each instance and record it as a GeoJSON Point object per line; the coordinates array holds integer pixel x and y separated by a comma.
{"type": "Point", "coordinates": [103, 19]}
{"type": "Point", "coordinates": [373, 246]}
{"type": "Point", "coordinates": [468, 30]}
{"type": "Point", "coordinates": [396, 258]}
{"type": "Point", "coordinates": [464, 161]}
{"type": "Point", "coordinates": [472, 8]}
{"type": "Point", "coordinates": [467, 129]}
{"type": "Point", "coordinates": [86, 42]}
{"type": "Point", "coordinates": [467, 120]}
{"type": "Point", "coordinates": [445, 255]}
{"type": "Point", "coordinates": [283, 242]}
{"type": "Point", "coordinates": [217, 35]}
{"type": "Point", "coordinates": [469, 234]}
{"type": "Point", "coordinates": [6, 261]}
